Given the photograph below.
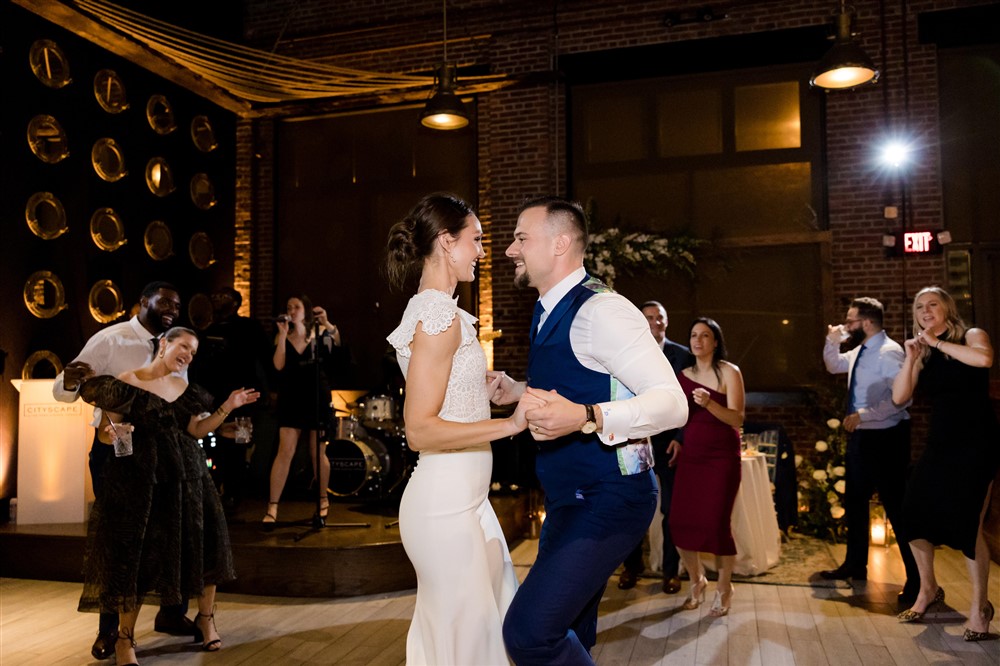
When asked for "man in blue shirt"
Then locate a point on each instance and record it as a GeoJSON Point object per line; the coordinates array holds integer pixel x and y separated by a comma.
{"type": "Point", "coordinates": [878, 444]}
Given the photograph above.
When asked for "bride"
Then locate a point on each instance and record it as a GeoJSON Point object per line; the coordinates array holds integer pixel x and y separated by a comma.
{"type": "Point", "coordinates": [465, 578]}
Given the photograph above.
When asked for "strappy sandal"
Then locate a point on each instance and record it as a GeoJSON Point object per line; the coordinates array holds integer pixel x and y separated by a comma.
{"type": "Point", "coordinates": [126, 635]}
{"type": "Point", "coordinates": [271, 517]}
{"type": "Point", "coordinates": [324, 507]}
{"type": "Point", "coordinates": [215, 644]}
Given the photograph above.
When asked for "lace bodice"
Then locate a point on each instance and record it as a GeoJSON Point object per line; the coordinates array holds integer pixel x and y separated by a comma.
{"type": "Point", "coordinates": [465, 399]}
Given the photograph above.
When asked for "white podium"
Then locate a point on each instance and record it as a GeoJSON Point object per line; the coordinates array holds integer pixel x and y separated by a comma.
{"type": "Point", "coordinates": [53, 441]}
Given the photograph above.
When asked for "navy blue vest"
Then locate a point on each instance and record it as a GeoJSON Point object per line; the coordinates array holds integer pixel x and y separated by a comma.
{"type": "Point", "coordinates": [575, 460]}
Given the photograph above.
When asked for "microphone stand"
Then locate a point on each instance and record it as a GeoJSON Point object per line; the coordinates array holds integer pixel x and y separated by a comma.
{"type": "Point", "coordinates": [322, 426]}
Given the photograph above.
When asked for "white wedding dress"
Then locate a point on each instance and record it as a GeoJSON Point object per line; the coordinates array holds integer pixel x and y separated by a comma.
{"type": "Point", "coordinates": [465, 577]}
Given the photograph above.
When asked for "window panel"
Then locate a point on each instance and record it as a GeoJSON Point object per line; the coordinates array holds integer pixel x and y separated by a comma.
{"type": "Point", "coordinates": [767, 116]}
{"type": "Point", "coordinates": [754, 200]}
{"type": "Point", "coordinates": [689, 122]}
{"type": "Point", "coordinates": [614, 129]}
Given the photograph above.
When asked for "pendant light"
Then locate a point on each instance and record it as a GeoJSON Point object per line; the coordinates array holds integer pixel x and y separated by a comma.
{"type": "Point", "coordinates": [845, 65]}
{"type": "Point", "coordinates": [444, 110]}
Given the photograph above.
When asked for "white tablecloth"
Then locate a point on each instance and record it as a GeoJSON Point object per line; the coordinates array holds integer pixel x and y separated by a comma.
{"type": "Point", "coordinates": [755, 524]}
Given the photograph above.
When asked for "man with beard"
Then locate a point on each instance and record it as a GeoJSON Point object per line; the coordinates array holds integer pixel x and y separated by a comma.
{"type": "Point", "coordinates": [111, 351]}
{"type": "Point", "coordinates": [605, 388]}
{"type": "Point", "coordinates": [878, 444]}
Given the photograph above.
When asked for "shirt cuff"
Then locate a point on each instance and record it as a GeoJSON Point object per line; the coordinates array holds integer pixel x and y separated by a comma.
{"type": "Point", "coordinates": [617, 423]}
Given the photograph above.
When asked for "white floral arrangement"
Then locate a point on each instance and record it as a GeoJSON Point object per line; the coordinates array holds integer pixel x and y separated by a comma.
{"type": "Point", "coordinates": [822, 485]}
{"type": "Point", "coordinates": [613, 252]}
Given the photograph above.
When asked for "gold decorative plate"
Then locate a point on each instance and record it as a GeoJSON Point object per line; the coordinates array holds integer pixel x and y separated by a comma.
{"type": "Point", "coordinates": [158, 240]}
{"type": "Point", "coordinates": [159, 177]}
{"type": "Point", "coordinates": [105, 302]}
{"type": "Point", "coordinates": [203, 135]}
{"type": "Point", "coordinates": [45, 215]}
{"type": "Point", "coordinates": [44, 355]}
{"type": "Point", "coordinates": [47, 139]}
{"type": "Point", "coordinates": [49, 63]}
{"type": "Point", "coordinates": [160, 114]}
{"type": "Point", "coordinates": [44, 295]}
{"type": "Point", "coordinates": [202, 191]}
{"type": "Point", "coordinates": [201, 250]}
{"type": "Point", "coordinates": [108, 160]}
{"type": "Point", "coordinates": [110, 91]}
{"type": "Point", "coordinates": [107, 230]}
{"type": "Point", "coordinates": [200, 311]}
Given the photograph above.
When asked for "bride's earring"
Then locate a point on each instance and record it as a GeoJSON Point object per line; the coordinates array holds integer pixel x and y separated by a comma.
{"type": "Point", "coordinates": [452, 257]}
{"type": "Point", "coordinates": [162, 351]}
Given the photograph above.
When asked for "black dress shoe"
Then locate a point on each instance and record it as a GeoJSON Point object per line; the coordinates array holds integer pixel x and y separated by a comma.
{"type": "Point", "coordinates": [671, 585]}
{"type": "Point", "coordinates": [104, 646]}
{"type": "Point", "coordinates": [843, 572]}
{"type": "Point", "coordinates": [175, 624]}
{"type": "Point", "coordinates": [627, 580]}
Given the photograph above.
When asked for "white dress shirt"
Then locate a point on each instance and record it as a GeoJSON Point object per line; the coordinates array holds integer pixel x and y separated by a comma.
{"type": "Point", "coordinates": [610, 335]}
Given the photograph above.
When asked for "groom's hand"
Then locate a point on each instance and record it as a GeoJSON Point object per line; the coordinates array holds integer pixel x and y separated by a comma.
{"type": "Point", "coordinates": [555, 417]}
{"type": "Point", "coordinates": [502, 389]}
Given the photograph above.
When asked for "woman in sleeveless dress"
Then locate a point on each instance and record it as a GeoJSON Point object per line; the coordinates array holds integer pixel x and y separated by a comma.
{"type": "Point", "coordinates": [303, 395]}
{"type": "Point", "coordinates": [159, 527]}
{"type": "Point", "coordinates": [948, 495]}
{"type": "Point", "coordinates": [708, 467]}
{"type": "Point", "coordinates": [465, 578]}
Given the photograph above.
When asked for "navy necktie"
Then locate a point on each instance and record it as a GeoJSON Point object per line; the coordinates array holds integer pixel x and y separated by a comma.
{"type": "Point", "coordinates": [536, 317]}
{"type": "Point", "coordinates": [854, 381]}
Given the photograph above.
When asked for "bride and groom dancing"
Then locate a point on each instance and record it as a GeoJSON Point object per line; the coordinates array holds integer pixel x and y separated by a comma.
{"type": "Point", "coordinates": [594, 462]}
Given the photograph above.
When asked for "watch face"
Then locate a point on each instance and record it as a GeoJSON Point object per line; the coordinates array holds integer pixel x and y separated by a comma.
{"type": "Point", "coordinates": [588, 428]}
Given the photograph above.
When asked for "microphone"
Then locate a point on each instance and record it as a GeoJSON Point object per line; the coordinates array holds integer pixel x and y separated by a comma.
{"type": "Point", "coordinates": [282, 318]}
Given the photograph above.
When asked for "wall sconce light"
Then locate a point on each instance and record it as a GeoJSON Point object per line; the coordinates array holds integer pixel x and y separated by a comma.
{"type": "Point", "coordinates": [845, 65]}
{"type": "Point", "coordinates": [888, 240]}
{"type": "Point", "coordinates": [943, 237]}
{"type": "Point", "coordinates": [444, 110]}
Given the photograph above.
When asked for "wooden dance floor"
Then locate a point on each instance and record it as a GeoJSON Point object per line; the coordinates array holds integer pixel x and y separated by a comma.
{"type": "Point", "coordinates": [769, 625]}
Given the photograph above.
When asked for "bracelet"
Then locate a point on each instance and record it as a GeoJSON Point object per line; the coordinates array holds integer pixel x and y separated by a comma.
{"type": "Point", "coordinates": [938, 345]}
{"type": "Point", "coordinates": [222, 412]}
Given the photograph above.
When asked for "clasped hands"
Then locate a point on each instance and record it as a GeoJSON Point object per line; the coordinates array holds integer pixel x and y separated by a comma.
{"type": "Point", "coordinates": [546, 414]}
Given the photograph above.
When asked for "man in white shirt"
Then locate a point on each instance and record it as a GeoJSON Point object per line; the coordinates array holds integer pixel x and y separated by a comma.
{"type": "Point", "coordinates": [111, 351]}
{"type": "Point", "coordinates": [606, 387]}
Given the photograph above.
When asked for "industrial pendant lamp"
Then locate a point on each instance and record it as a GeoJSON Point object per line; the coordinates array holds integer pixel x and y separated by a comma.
{"type": "Point", "coordinates": [845, 65]}
{"type": "Point", "coordinates": [444, 110]}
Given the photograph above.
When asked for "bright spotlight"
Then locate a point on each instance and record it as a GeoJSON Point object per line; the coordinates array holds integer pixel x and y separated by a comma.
{"type": "Point", "coordinates": [895, 154]}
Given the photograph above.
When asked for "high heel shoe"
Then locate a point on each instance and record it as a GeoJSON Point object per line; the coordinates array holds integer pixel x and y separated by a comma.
{"type": "Point", "coordinates": [975, 636]}
{"type": "Point", "coordinates": [126, 635]}
{"type": "Point", "coordinates": [718, 610]}
{"type": "Point", "coordinates": [271, 517]}
{"type": "Point", "coordinates": [911, 615]}
{"type": "Point", "coordinates": [213, 644]}
{"type": "Point", "coordinates": [324, 508]}
{"type": "Point", "coordinates": [696, 598]}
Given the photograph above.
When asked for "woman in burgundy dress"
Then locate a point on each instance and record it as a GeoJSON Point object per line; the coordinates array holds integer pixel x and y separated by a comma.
{"type": "Point", "coordinates": [708, 468]}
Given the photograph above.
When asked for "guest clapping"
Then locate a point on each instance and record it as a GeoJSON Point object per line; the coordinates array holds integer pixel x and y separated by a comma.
{"type": "Point", "coordinates": [949, 491]}
{"type": "Point", "coordinates": [708, 468]}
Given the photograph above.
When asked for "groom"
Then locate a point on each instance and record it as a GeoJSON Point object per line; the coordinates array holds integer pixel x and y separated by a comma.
{"type": "Point", "coordinates": [606, 387]}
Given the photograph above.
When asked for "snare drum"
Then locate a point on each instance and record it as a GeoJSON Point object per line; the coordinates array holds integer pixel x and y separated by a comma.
{"type": "Point", "coordinates": [380, 412]}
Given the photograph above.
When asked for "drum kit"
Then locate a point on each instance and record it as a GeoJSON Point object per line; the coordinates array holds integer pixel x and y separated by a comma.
{"type": "Point", "coordinates": [369, 458]}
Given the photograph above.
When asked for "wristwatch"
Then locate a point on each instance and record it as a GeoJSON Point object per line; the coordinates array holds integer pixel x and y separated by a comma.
{"type": "Point", "coordinates": [590, 425]}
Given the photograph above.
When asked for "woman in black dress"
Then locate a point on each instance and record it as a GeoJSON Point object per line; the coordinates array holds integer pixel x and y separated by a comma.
{"type": "Point", "coordinates": [303, 393]}
{"type": "Point", "coordinates": [158, 528]}
{"type": "Point", "coordinates": [949, 493]}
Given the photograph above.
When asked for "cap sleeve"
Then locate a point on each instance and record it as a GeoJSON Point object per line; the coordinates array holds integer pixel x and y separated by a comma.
{"type": "Point", "coordinates": [434, 310]}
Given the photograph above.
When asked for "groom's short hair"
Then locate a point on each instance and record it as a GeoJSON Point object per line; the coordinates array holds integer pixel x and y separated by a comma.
{"type": "Point", "coordinates": [563, 213]}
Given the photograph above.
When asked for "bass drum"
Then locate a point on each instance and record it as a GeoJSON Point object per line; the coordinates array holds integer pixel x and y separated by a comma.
{"type": "Point", "coordinates": [356, 464]}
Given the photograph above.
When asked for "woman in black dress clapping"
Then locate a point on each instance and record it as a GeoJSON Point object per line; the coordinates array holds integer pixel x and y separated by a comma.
{"type": "Point", "coordinates": [949, 493]}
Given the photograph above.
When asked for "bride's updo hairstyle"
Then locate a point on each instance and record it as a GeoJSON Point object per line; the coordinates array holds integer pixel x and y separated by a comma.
{"type": "Point", "coordinates": [411, 240]}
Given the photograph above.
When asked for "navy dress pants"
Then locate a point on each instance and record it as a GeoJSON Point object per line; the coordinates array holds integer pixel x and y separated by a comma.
{"type": "Point", "coordinates": [553, 617]}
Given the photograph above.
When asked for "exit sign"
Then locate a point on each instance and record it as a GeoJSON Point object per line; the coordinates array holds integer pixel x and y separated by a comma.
{"type": "Point", "coordinates": [912, 243]}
